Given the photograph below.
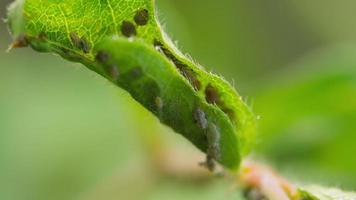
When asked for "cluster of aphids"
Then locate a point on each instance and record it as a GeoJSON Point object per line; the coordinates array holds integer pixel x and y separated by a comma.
{"type": "Point", "coordinates": [141, 18]}
{"type": "Point", "coordinates": [212, 136]}
{"type": "Point", "coordinates": [128, 29]}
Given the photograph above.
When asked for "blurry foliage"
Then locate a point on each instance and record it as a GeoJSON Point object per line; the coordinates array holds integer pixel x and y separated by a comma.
{"type": "Point", "coordinates": [308, 113]}
{"type": "Point", "coordinates": [63, 132]}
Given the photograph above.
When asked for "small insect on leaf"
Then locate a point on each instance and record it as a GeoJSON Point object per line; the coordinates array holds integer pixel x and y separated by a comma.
{"type": "Point", "coordinates": [200, 118]}
{"type": "Point", "coordinates": [213, 137]}
{"type": "Point", "coordinates": [128, 29]}
{"type": "Point", "coordinates": [84, 45]}
{"type": "Point", "coordinates": [141, 17]}
{"type": "Point", "coordinates": [211, 95]}
{"type": "Point", "coordinates": [75, 39]}
{"type": "Point", "coordinates": [102, 57]}
{"type": "Point", "coordinates": [80, 42]}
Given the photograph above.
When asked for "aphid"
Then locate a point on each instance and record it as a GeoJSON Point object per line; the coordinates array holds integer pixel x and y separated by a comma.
{"type": "Point", "coordinates": [213, 151]}
{"type": "Point", "coordinates": [211, 95]}
{"type": "Point", "coordinates": [128, 29]}
{"type": "Point", "coordinates": [199, 118]}
{"type": "Point", "coordinates": [166, 52]}
{"type": "Point", "coordinates": [102, 57]}
{"type": "Point", "coordinates": [182, 67]}
{"type": "Point", "coordinates": [191, 77]}
{"type": "Point", "coordinates": [80, 43]}
{"type": "Point", "coordinates": [21, 41]}
{"type": "Point", "coordinates": [75, 39]}
{"type": "Point", "coordinates": [84, 45]}
{"type": "Point", "coordinates": [213, 138]}
{"type": "Point", "coordinates": [141, 17]}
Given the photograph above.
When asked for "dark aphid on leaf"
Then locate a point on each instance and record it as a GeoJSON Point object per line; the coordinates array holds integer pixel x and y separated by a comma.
{"type": "Point", "coordinates": [75, 39]}
{"type": "Point", "coordinates": [159, 46]}
{"type": "Point", "coordinates": [102, 57]}
{"type": "Point", "coordinates": [212, 95]}
{"type": "Point", "coordinates": [141, 17]}
{"type": "Point", "coordinates": [21, 41]}
{"type": "Point", "coordinates": [190, 76]}
{"type": "Point", "coordinates": [184, 70]}
{"type": "Point", "coordinates": [128, 29]}
{"type": "Point", "coordinates": [80, 43]}
{"type": "Point", "coordinates": [84, 45]}
{"type": "Point", "coordinates": [200, 118]}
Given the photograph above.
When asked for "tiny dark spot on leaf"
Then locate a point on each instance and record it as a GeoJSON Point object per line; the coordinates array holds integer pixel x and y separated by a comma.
{"type": "Point", "coordinates": [190, 76]}
{"type": "Point", "coordinates": [75, 39]}
{"type": "Point", "coordinates": [84, 45]}
{"type": "Point", "coordinates": [128, 29]}
{"type": "Point", "coordinates": [211, 94]}
{"type": "Point", "coordinates": [141, 17]}
{"type": "Point", "coordinates": [80, 43]}
{"type": "Point", "coordinates": [102, 57]}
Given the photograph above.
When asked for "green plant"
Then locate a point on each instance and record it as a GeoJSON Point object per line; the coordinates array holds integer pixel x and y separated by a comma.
{"type": "Point", "coordinates": [123, 41]}
{"type": "Point", "coordinates": [127, 46]}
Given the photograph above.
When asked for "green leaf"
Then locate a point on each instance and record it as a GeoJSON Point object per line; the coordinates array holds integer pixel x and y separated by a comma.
{"type": "Point", "coordinates": [320, 193]}
{"type": "Point", "coordinates": [123, 41]}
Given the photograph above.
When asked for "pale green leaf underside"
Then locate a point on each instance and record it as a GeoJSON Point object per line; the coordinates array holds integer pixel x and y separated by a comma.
{"type": "Point", "coordinates": [122, 41]}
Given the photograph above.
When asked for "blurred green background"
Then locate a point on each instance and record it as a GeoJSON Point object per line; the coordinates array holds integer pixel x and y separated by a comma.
{"type": "Point", "coordinates": [66, 133]}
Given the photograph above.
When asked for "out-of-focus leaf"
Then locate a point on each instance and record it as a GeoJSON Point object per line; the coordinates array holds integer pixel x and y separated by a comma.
{"type": "Point", "coordinates": [308, 116]}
